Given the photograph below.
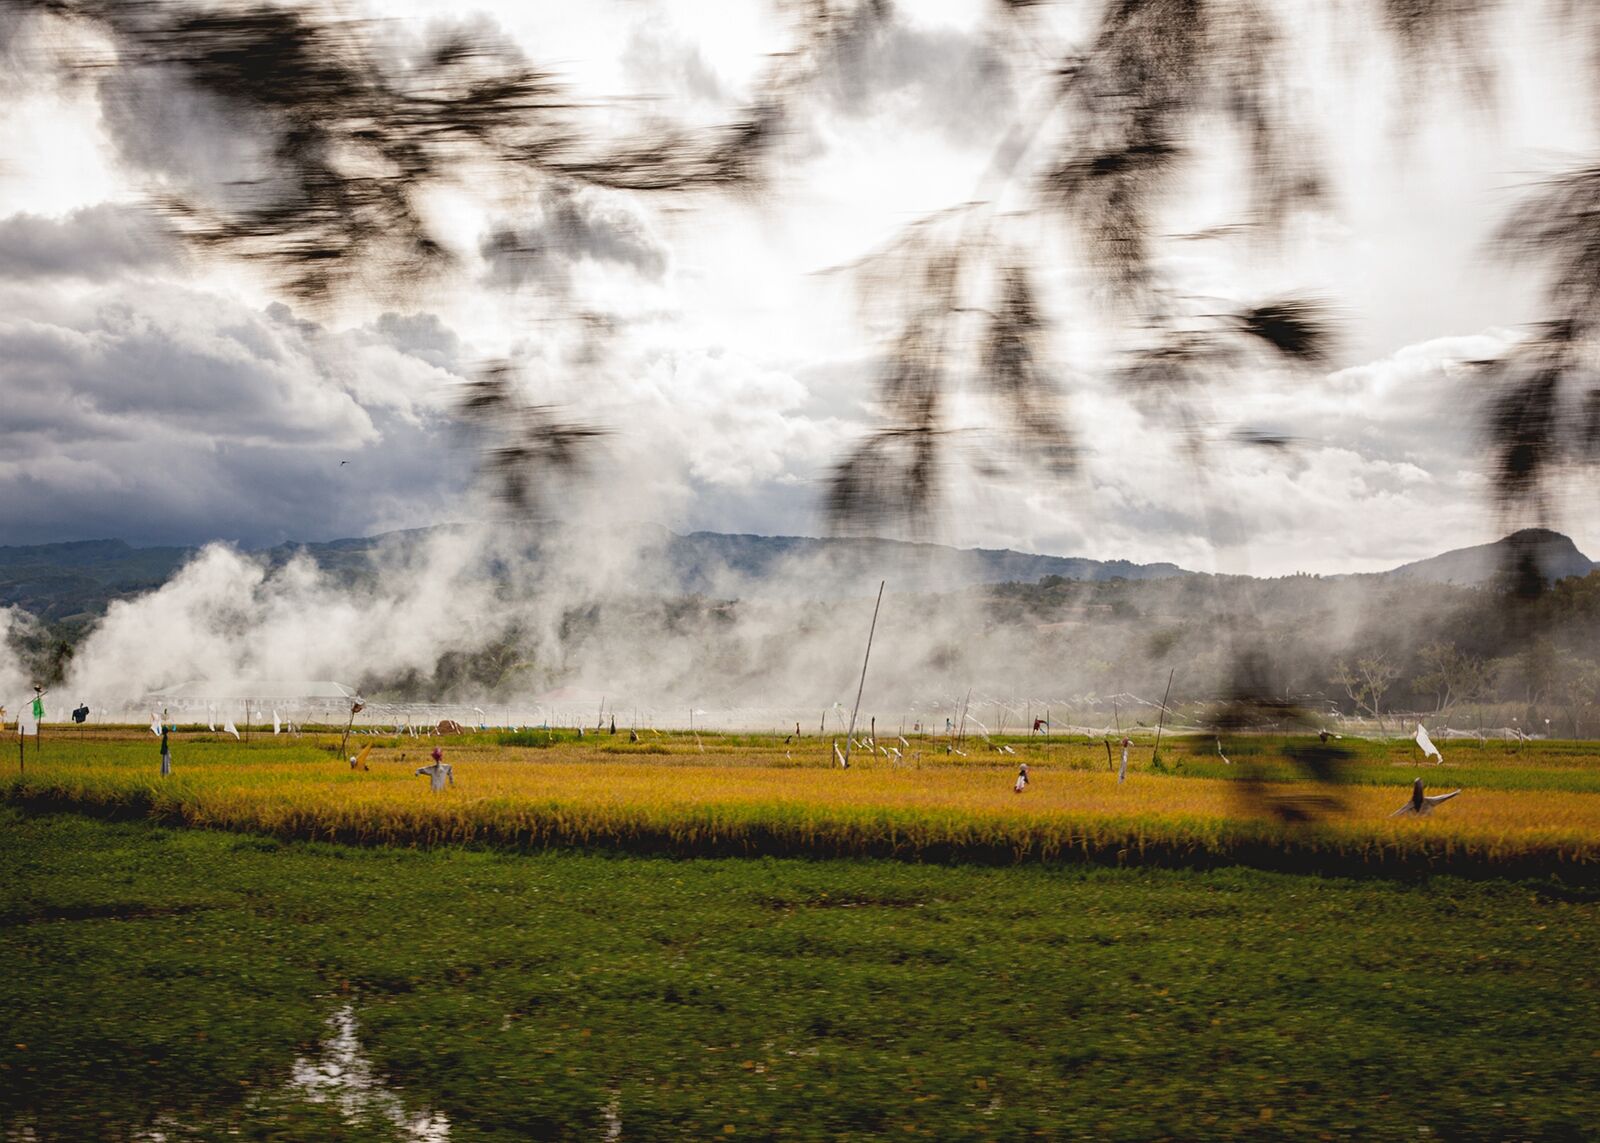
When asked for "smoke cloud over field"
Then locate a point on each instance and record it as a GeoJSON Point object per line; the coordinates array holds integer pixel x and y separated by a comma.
{"type": "Point", "coordinates": [558, 623]}
{"type": "Point", "coordinates": [504, 614]}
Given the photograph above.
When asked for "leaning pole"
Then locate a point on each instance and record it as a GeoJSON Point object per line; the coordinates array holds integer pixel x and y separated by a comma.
{"type": "Point", "coordinates": [851, 733]}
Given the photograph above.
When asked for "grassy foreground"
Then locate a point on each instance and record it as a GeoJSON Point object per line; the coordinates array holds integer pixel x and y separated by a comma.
{"type": "Point", "coordinates": [184, 980]}
{"type": "Point", "coordinates": [1532, 812]}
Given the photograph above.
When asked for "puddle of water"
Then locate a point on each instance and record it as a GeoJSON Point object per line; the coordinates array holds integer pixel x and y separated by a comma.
{"type": "Point", "coordinates": [344, 1076]}
{"type": "Point", "coordinates": [611, 1116]}
{"type": "Point", "coordinates": [341, 1075]}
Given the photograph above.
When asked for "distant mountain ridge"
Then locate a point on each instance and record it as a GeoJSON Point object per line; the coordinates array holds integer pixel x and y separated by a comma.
{"type": "Point", "coordinates": [702, 563]}
{"type": "Point", "coordinates": [1532, 551]}
{"type": "Point", "coordinates": [80, 578]}
{"type": "Point", "coordinates": [75, 582]}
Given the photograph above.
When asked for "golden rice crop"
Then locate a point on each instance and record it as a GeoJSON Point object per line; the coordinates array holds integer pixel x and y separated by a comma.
{"type": "Point", "coordinates": [753, 800]}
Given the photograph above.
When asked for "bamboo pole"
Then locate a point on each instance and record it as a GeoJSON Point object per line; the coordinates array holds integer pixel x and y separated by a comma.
{"type": "Point", "coordinates": [352, 721]}
{"type": "Point", "coordinates": [861, 686]}
{"type": "Point", "coordinates": [1160, 722]}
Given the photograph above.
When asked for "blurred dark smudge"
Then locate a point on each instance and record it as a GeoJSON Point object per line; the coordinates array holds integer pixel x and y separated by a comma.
{"type": "Point", "coordinates": [527, 449]}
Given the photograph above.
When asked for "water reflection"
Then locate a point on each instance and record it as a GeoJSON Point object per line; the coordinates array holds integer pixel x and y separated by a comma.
{"type": "Point", "coordinates": [345, 1077]}
{"type": "Point", "coordinates": [322, 1096]}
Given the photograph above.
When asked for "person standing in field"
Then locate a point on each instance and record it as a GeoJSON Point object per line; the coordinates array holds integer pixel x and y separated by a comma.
{"type": "Point", "coordinates": [439, 773]}
{"type": "Point", "coordinates": [1022, 779]}
{"type": "Point", "coordinates": [166, 755]}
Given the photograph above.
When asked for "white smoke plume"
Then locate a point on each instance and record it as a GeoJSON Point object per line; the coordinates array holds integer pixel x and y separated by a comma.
{"type": "Point", "coordinates": [16, 685]}
{"type": "Point", "coordinates": [588, 611]}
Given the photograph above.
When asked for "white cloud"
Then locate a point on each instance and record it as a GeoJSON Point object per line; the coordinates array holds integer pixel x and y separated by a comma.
{"type": "Point", "coordinates": [731, 381]}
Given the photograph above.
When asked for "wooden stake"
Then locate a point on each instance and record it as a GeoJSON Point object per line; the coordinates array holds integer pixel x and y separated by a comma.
{"type": "Point", "coordinates": [347, 727]}
{"type": "Point", "coordinates": [871, 631]}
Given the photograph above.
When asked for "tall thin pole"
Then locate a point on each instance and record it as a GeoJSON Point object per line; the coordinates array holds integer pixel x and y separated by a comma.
{"type": "Point", "coordinates": [1162, 720]}
{"type": "Point", "coordinates": [352, 721]}
{"type": "Point", "coordinates": [871, 631]}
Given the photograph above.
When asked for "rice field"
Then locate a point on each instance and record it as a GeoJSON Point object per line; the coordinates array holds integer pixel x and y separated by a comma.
{"type": "Point", "coordinates": [1533, 810]}
{"type": "Point", "coordinates": [674, 938]}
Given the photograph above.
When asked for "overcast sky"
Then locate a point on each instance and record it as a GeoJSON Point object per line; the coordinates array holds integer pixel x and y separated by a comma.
{"type": "Point", "coordinates": [157, 397]}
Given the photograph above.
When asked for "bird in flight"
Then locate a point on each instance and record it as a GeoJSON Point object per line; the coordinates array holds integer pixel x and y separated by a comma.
{"type": "Point", "coordinates": [1421, 803]}
{"type": "Point", "coordinates": [342, 463]}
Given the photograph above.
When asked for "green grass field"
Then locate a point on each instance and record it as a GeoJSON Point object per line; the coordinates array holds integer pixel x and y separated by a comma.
{"type": "Point", "coordinates": [173, 977]}
{"type": "Point", "coordinates": [174, 983]}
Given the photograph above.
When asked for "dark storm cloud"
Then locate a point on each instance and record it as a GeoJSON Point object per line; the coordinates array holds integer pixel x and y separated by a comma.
{"type": "Point", "coordinates": [178, 416]}
{"type": "Point", "coordinates": [95, 242]}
